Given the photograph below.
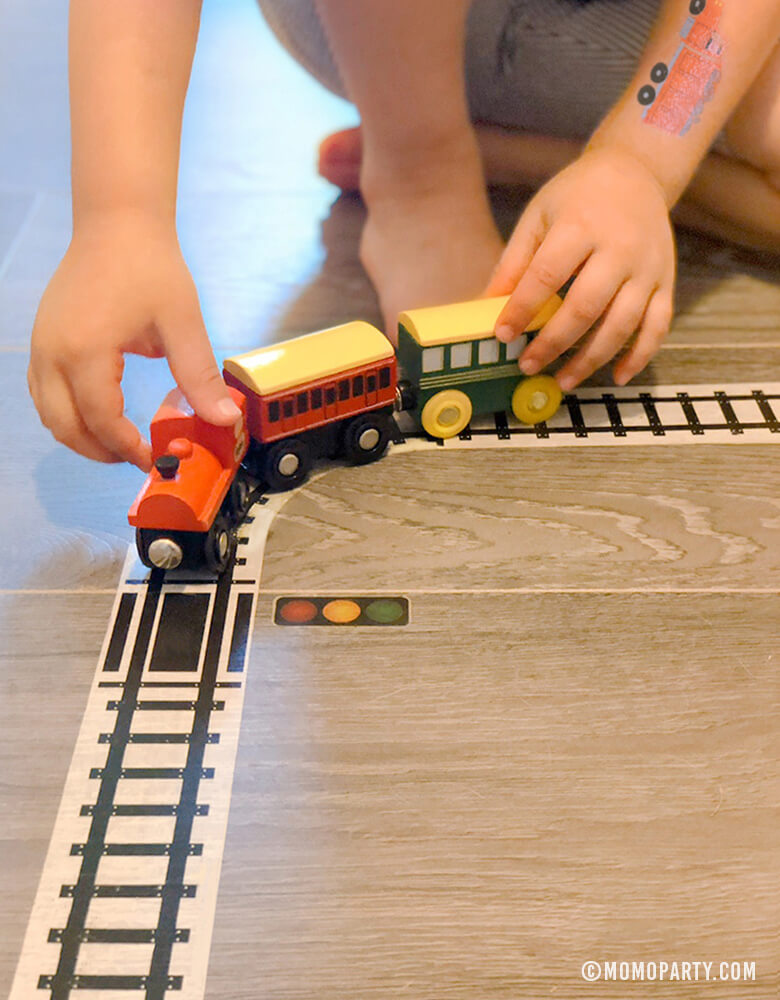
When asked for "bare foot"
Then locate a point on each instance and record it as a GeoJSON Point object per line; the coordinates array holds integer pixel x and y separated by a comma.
{"type": "Point", "coordinates": [527, 159]}
{"type": "Point", "coordinates": [429, 237]}
{"type": "Point", "coordinates": [508, 157]}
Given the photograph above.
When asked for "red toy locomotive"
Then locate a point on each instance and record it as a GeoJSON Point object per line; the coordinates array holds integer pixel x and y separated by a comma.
{"type": "Point", "coordinates": [326, 394]}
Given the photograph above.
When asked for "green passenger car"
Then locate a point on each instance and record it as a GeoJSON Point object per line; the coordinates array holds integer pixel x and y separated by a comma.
{"type": "Point", "coordinates": [457, 368]}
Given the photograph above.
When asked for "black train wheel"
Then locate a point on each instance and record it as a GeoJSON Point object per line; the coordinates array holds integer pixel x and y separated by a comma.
{"type": "Point", "coordinates": [219, 545]}
{"type": "Point", "coordinates": [659, 72]}
{"type": "Point", "coordinates": [286, 464]}
{"type": "Point", "coordinates": [646, 95]}
{"type": "Point", "coordinates": [365, 438]}
{"type": "Point", "coordinates": [160, 549]}
{"type": "Point", "coordinates": [239, 497]}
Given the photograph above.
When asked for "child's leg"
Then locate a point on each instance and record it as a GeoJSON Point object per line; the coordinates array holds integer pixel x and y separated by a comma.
{"type": "Point", "coordinates": [738, 191]}
{"type": "Point", "coordinates": [297, 25]}
{"type": "Point", "coordinates": [542, 73]}
{"type": "Point", "coordinates": [429, 236]}
{"type": "Point", "coordinates": [536, 69]}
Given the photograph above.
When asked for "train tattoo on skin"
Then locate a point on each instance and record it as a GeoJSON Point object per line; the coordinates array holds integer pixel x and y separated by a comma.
{"type": "Point", "coordinates": [328, 394]}
{"type": "Point", "coordinates": [675, 98]}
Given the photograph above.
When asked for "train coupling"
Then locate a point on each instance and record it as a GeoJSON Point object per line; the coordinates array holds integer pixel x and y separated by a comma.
{"type": "Point", "coordinates": [405, 398]}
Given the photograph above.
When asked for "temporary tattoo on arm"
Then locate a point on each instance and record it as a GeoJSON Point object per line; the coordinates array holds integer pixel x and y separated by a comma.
{"type": "Point", "coordinates": [680, 88]}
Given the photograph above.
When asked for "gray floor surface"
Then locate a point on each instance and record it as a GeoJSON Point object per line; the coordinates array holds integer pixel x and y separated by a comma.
{"type": "Point", "coordinates": [570, 753]}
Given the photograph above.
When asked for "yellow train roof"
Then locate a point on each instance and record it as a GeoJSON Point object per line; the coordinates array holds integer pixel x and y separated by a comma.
{"type": "Point", "coordinates": [475, 320]}
{"type": "Point", "coordinates": [313, 356]}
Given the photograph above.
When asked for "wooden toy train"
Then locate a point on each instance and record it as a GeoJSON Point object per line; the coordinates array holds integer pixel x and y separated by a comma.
{"type": "Point", "coordinates": [325, 394]}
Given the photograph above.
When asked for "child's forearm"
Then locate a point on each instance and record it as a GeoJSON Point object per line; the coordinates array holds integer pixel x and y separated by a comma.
{"type": "Point", "coordinates": [714, 67]}
{"type": "Point", "coordinates": [129, 69]}
{"type": "Point", "coordinates": [402, 64]}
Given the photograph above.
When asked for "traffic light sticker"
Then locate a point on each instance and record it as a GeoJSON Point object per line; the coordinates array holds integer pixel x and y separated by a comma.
{"type": "Point", "coordinates": [340, 611]}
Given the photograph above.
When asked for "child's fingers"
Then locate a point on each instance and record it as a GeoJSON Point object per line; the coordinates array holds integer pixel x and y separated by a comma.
{"type": "Point", "coordinates": [98, 396]}
{"type": "Point", "coordinates": [58, 413]}
{"type": "Point", "coordinates": [653, 332]}
{"type": "Point", "coordinates": [563, 250]}
{"type": "Point", "coordinates": [586, 301]}
{"type": "Point", "coordinates": [621, 321]}
{"type": "Point", "coordinates": [194, 367]}
{"type": "Point", "coordinates": [518, 254]}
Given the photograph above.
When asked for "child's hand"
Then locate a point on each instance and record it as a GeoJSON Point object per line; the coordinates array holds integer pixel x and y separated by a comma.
{"type": "Point", "coordinates": [122, 287]}
{"type": "Point", "coordinates": [605, 214]}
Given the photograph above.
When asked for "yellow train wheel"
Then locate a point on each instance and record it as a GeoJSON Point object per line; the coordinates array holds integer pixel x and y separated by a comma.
{"type": "Point", "coordinates": [446, 414]}
{"type": "Point", "coordinates": [536, 399]}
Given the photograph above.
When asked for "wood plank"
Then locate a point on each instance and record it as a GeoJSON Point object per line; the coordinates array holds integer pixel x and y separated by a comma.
{"type": "Point", "coordinates": [64, 518]}
{"type": "Point", "coordinates": [49, 651]}
{"type": "Point", "coordinates": [687, 516]}
{"type": "Point", "coordinates": [476, 804]}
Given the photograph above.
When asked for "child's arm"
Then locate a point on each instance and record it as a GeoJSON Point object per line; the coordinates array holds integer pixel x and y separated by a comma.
{"type": "Point", "coordinates": [740, 37]}
{"type": "Point", "coordinates": [123, 285]}
{"type": "Point", "coordinates": [606, 215]}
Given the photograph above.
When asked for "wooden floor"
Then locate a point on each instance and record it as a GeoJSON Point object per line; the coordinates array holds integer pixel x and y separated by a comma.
{"type": "Point", "coordinates": [570, 754]}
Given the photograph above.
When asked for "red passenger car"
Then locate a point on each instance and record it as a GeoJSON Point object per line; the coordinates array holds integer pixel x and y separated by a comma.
{"type": "Point", "coordinates": [325, 394]}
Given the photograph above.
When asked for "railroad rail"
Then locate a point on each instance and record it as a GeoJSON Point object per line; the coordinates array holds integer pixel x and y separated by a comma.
{"type": "Point", "coordinates": [126, 900]}
{"type": "Point", "coordinates": [653, 415]}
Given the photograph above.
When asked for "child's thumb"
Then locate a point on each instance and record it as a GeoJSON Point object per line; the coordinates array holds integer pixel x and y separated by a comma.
{"type": "Point", "coordinates": [195, 369]}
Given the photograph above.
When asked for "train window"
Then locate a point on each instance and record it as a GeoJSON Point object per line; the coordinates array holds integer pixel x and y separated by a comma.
{"type": "Point", "coordinates": [384, 377]}
{"type": "Point", "coordinates": [357, 385]}
{"type": "Point", "coordinates": [433, 359]}
{"type": "Point", "coordinates": [330, 396]}
{"type": "Point", "coordinates": [371, 383]}
{"type": "Point", "coordinates": [273, 411]}
{"type": "Point", "coordinates": [515, 347]}
{"type": "Point", "coordinates": [344, 389]}
{"type": "Point", "coordinates": [287, 408]}
{"type": "Point", "coordinates": [460, 355]}
{"type": "Point", "coordinates": [488, 351]}
{"type": "Point", "coordinates": [303, 402]}
{"type": "Point", "coordinates": [316, 399]}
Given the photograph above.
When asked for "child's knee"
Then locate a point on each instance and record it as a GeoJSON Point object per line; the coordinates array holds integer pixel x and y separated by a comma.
{"type": "Point", "coordinates": [753, 131]}
{"type": "Point", "coordinates": [771, 163]}
{"type": "Point", "coordinates": [763, 154]}
{"type": "Point", "coordinates": [298, 27]}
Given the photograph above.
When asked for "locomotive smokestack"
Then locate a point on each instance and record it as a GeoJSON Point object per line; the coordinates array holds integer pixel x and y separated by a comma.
{"type": "Point", "coordinates": [167, 466]}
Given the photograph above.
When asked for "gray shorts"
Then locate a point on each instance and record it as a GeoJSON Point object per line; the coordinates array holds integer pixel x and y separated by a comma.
{"type": "Point", "coordinates": [553, 67]}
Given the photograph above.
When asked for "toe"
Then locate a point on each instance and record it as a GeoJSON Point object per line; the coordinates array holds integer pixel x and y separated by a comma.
{"type": "Point", "coordinates": [340, 155]}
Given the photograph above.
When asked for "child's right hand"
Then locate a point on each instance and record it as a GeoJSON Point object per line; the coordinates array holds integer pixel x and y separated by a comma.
{"type": "Point", "coordinates": [121, 287]}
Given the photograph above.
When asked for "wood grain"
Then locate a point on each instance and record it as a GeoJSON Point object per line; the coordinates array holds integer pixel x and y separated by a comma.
{"type": "Point", "coordinates": [477, 804]}
{"type": "Point", "coordinates": [686, 516]}
{"type": "Point", "coordinates": [48, 654]}
{"type": "Point", "coordinates": [570, 753]}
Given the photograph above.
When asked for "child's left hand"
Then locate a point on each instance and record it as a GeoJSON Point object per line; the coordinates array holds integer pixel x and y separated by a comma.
{"type": "Point", "coordinates": [605, 216]}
